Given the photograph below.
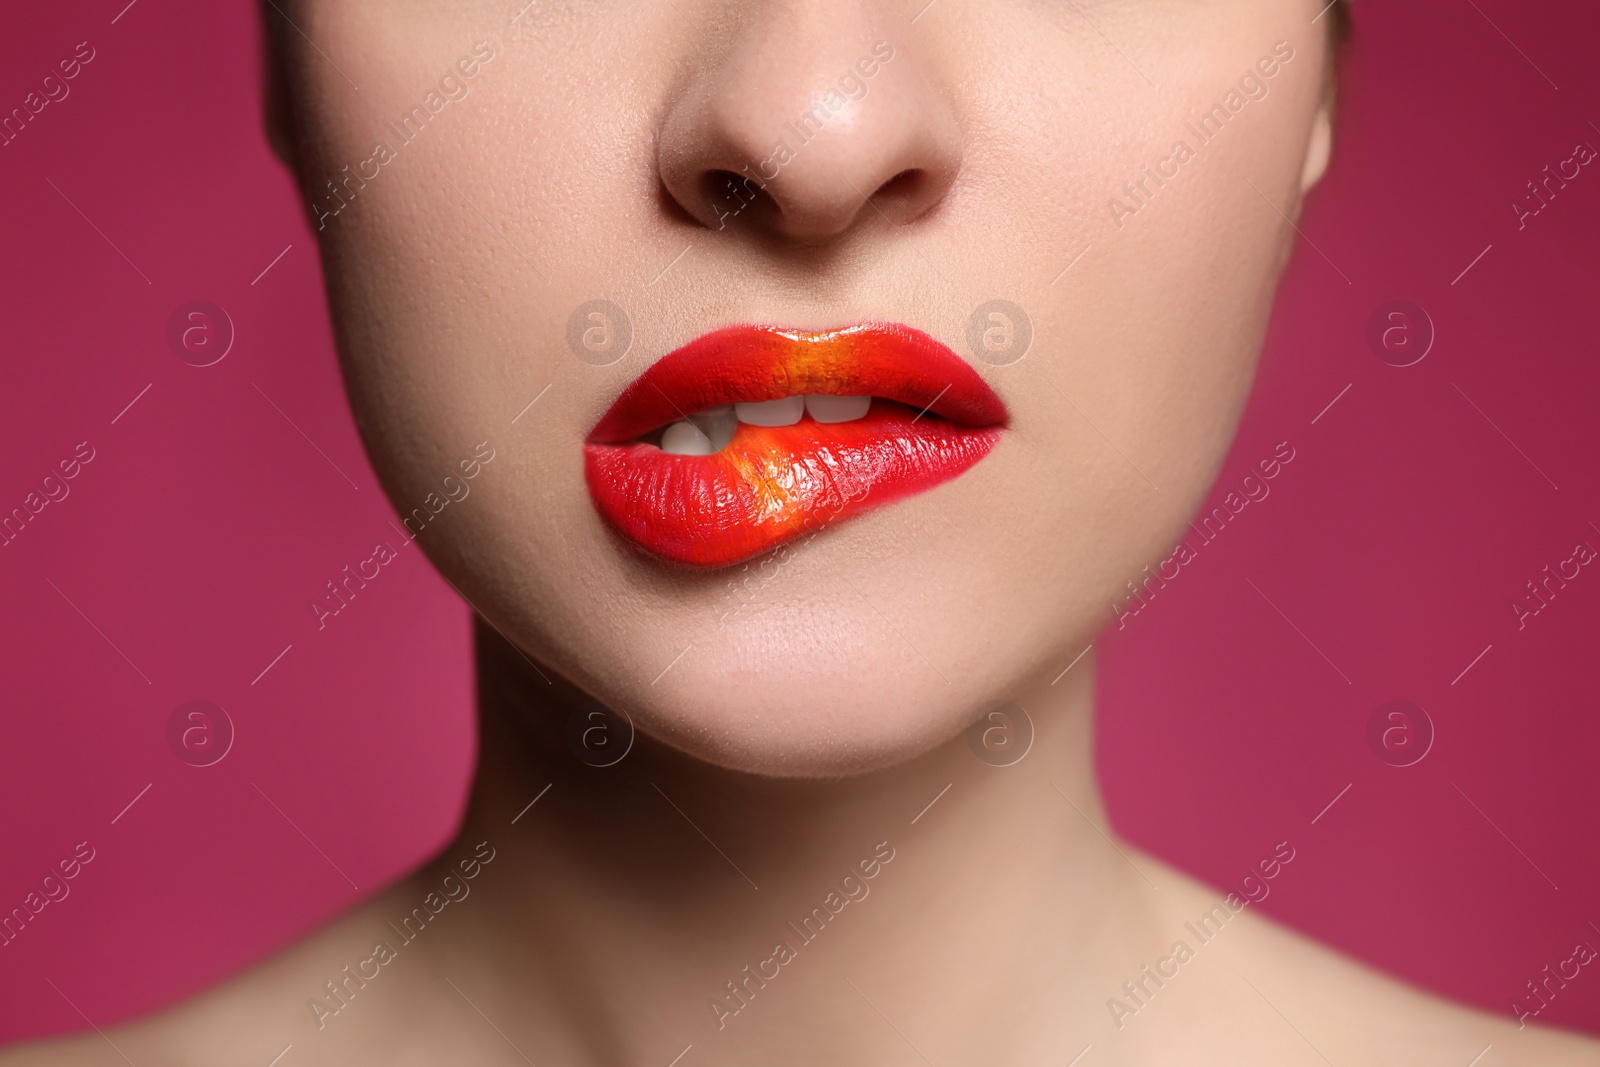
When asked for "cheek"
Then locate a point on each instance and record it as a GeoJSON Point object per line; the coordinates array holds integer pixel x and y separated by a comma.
{"type": "Point", "coordinates": [1154, 333]}
{"type": "Point", "coordinates": [454, 272]}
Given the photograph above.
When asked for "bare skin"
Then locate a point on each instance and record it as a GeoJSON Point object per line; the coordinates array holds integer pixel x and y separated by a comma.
{"type": "Point", "coordinates": [990, 916]}
{"type": "Point", "coordinates": [605, 923]}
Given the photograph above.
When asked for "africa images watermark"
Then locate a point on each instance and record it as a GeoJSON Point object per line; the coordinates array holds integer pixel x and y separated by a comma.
{"type": "Point", "coordinates": [1253, 85]}
{"type": "Point", "coordinates": [1139, 991]}
{"type": "Point", "coordinates": [342, 589]}
{"type": "Point", "coordinates": [1251, 489]}
{"type": "Point", "coordinates": [453, 86]}
{"type": "Point", "coordinates": [851, 86]}
{"type": "Point", "coordinates": [338, 992]}
{"type": "Point", "coordinates": [55, 889]}
{"type": "Point", "coordinates": [1551, 582]}
{"type": "Point", "coordinates": [55, 489]}
{"type": "Point", "coordinates": [1542, 191]}
{"type": "Point", "coordinates": [1542, 990]}
{"type": "Point", "coordinates": [55, 90]}
{"type": "Point", "coordinates": [818, 514]}
{"type": "Point", "coordinates": [853, 887]}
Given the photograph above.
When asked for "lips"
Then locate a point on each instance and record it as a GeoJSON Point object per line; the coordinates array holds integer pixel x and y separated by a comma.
{"type": "Point", "coordinates": [929, 419]}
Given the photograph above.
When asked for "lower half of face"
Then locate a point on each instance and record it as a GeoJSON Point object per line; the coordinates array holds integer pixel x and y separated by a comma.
{"type": "Point", "coordinates": [869, 352]}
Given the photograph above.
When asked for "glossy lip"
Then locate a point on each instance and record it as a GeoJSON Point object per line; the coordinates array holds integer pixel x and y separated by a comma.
{"type": "Point", "coordinates": [773, 484]}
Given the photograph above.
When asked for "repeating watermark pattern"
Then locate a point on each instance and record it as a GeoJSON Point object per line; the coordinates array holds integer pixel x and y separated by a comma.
{"type": "Point", "coordinates": [1541, 991]}
{"type": "Point", "coordinates": [52, 89]}
{"type": "Point", "coordinates": [353, 578]}
{"type": "Point", "coordinates": [599, 332]}
{"type": "Point", "coordinates": [55, 490]}
{"type": "Point", "coordinates": [749, 584]}
{"type": "Point", "coordinates": [1138, 992]}
{"type": "Point", "coordinates": [1542, 590]}
{"type": "Point", "coordinates": [1400, 333]}
{"type": "Point", "coordinates": [1254, 84]}
{"type": "Point", "coordinates": [53, 889]}
{"type": "Point", "coordinates": [853, 888]}
{"type": "Point", "coordinates": [200, 333]}
{"type": "Point", "coordinates": [999, 332]}
{"type": "Point", "coordinates": [453, 87]}
{"type": "Point", "coordinates": [1251, 488]}
{"type": "Point", "coordinates": [852, 85]}
{"type": "Point", "coordinates": [598, 735]}
{"type": "Point", "coordinates": [1400, 733]}
{"type": "Point", "coordinates": [1542, 191]}
{"type": "Point", "coordinates": [200, 733]}
{"type": "Point", "coordinates": [343, 589]}
{"type": "Point", "coordinates": [1001, 733]}
{"type": "Point", "coordinates": [1254, 887]}
{"type": "Point", "coordinates": [750, 580]}
{"type": "Point", "coordinates": [340, 991]}
{"type": "Point", "coordinates": [455, 489]}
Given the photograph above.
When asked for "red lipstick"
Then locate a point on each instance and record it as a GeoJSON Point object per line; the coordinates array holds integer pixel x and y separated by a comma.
{"type": "Point", "coordinates": [930, 418]}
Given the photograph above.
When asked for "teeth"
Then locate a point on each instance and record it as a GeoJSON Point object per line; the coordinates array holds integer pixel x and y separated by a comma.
{"type": "Point", "coordinates": [707, 432]}
{"type": "Point", "coordinates": [718, 424]}
{"type": "Point", "coordinates": [827, 408]}
{"type": "Point", "coordinates": [684, 438]}
{"type": "Point", "coordinates": [785, 412]}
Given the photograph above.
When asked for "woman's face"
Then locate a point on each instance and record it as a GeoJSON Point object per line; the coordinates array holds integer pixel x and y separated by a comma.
{"type": "Point", "coordinates": [1119, 172]}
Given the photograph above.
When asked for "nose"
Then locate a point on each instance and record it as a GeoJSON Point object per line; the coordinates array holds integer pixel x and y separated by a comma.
{"type": "Point", "coordinates": [811, 119]}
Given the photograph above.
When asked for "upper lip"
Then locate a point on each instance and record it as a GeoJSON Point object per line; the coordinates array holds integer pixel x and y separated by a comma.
{"type": "Point", "coordinates": [754, 363]}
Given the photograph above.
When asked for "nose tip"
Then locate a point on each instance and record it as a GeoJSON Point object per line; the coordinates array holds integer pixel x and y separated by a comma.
{"type": "Point", "coordinates": [804, 142]}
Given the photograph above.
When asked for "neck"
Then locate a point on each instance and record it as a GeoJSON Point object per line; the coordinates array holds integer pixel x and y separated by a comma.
{"type": "Point", "coordinates": [661, 902]}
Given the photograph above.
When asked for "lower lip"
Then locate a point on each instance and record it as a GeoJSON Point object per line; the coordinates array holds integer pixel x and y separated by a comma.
{"type": "Point", "coordinates": [774, 484]}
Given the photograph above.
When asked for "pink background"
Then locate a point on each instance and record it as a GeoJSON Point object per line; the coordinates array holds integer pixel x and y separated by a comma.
{"type": "Point", "coordinates": [1393, 543]}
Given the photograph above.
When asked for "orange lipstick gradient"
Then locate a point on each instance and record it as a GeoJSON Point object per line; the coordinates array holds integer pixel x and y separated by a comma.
{"type": "Point", "coordinates": [931, 418]}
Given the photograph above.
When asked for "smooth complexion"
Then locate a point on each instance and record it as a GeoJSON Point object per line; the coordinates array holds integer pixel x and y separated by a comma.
{"type": "Point", "coordinates": [781, 744]}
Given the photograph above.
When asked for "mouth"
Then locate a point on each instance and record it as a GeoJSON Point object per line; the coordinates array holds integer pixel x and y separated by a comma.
{"type": "Point", "coordinates": [751, 436]}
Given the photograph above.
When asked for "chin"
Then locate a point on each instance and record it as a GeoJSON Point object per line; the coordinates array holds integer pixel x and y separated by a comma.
{"type": "Point", "coordinates": [829, 729]}
{"type": "Point", "coordinates": [822, 691]}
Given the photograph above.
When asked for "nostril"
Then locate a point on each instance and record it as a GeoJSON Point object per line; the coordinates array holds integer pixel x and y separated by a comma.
{"type": "Point", "coordinates": [794, 160]}
{"type": "Point", "coordinates": [907, 195]}
{"type": "Point", "coordinates": [720, 185]}
{"type": "Point", "coordinates": [728, 194]}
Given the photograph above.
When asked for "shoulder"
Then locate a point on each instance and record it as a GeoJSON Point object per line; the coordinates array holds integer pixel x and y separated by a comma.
{"type": "Point", "coordinates": [1348, 1011]}
{"type": "Point", "coordinates": [285, 1002]}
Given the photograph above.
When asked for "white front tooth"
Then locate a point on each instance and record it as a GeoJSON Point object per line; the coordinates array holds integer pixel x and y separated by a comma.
{"type": "Point", "coordinates": [825, 407]}
{"type": "Point", "coordinates": [684, 438]}
{"type": "Point", "coordinates": [718, 424]}
{"type": "Point", "coordinates": [785, 412]}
